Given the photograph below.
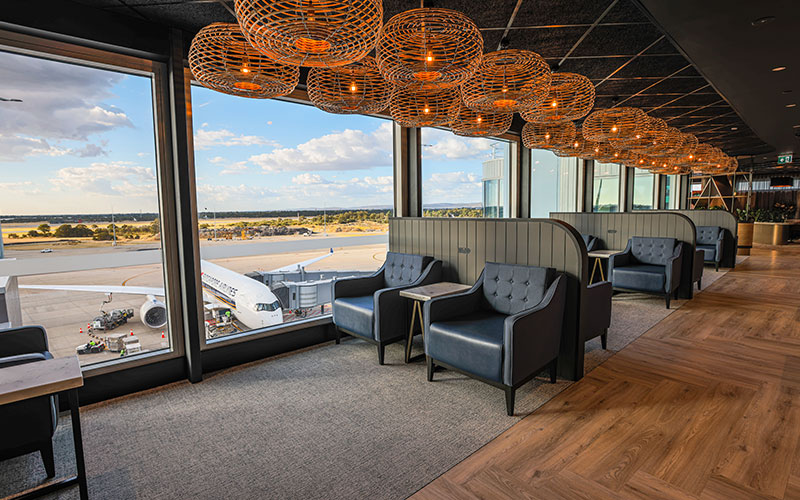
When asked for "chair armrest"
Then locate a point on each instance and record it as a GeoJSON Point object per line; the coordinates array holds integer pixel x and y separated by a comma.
{"type": "Point", "coordinates": [22, 340]}
{"type": "Point", "coordinates": [720, 244]}
{"type": "Point", "coordinates": [358, 287]}
{"type": "Point", "coordinates": [21, 359]}
{"type": "Point", "coordinates": [673, 269]}
{"type": "Point", "coordinates": [452, 306]}
{"type": "Point", "coordinates": [532, 338]}
{"type": "Point", "coordinates": [620, 259]}
{"type": "Point", "coordinates": [597, 309]}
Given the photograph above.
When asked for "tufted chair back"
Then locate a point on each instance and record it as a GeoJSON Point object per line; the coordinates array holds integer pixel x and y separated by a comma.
{"type": "Point", "coordinates": [510, 289]}
{"type": "Point", "coordinates": [652, 250]}
{"type": "Point", "coordinates": [707, 235]}
{"type": "Point", "coordinates": [403, 268]}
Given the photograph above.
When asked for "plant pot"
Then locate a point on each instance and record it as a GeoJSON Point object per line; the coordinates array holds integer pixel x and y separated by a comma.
{"type": "Point", "coordinates": [771, 233]}
{"type": "Point", "coordinates": [745, 235]}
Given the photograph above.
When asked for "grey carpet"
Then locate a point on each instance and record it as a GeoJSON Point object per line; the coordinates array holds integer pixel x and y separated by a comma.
{"type": "Point", "coordinates": [325, 423]}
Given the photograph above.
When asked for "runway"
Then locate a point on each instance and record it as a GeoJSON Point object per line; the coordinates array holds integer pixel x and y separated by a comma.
{"type": "Point", "coordinates": [29, 263]}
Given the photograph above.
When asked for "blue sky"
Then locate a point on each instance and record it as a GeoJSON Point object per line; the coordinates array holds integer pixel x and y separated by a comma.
{"type": "Point", "coordinates": [82, 142]}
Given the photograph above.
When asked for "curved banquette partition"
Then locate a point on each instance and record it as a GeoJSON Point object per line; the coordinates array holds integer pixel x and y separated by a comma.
{"type": "Point", "coordinates": [615, 229]}
{"type": "Point", "coordinates": [720, 218]}
{"type": "Point", "coordinates": [464, 245]}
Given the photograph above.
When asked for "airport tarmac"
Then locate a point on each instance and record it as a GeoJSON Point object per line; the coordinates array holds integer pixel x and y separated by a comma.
{"type": "Point", "coordinates": [65, 313]}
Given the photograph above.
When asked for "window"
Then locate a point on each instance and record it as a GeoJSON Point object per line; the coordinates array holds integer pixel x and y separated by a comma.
{"type": "Point", "coordinates": [605, 186]}
{"type": "Point", "coordinates": [464, 176]}
{"type": "Point", "coordinates": [290, 198]}
{"type": "Point", "coordinates": [554, 184]}
{"type": "Point", "coordinates": [80, 209]}
{"type": "Point", "coordinates": [672, 198]}
{"type": "Point", "coordinates": [643, 187]}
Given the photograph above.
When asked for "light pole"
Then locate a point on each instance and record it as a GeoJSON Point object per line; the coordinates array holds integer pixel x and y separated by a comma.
{"type": "Point", "coordinates": [214, 214]}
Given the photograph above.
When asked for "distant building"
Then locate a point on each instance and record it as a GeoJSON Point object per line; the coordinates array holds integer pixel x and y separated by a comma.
{"type": "Point", "coordinates": [493, 185]}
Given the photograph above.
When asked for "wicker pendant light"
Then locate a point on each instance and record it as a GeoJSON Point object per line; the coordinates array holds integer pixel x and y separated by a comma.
{"type": "Point", "coordinates": [554, 136]}
{"type": "Point", "coordinates": [688, 145]}
{"type": "Point", "coordinates": [648, 138]}
{"type": "Point", "coordinates": [628, 158]}
{"type": "Point", "coordinates": [703, 158]}
{"type": "Point", "coordinates": [434, 47]}
{"type": "Point", "coordinates": [588, 149]}
{"type": "Point", "coordinates": [614, 124]}
{"type": "Point", "coordinates": [471, 123]}
{"type": "Point", "coordinates": [669, 144]}
{"type": "Point", "coordinates": [508, 81]}
{"type": "Point", "coordinates": [571, 97]}
{"type": "Point", "coordinates": [604, 153]}
{"type": "Point", "coordinates": [221, 59]}
{"type": "Point", "coordinates": [355, 88]}
{"type": "Point", "coordinates": [574, 149]}
{"type": "Point", "coordinates": [316, 33]}
{"type": "Point", "coordinates": [414, 106]}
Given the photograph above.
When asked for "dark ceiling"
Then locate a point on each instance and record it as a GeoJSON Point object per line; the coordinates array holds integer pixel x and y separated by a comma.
{"type": "Point", "coordinates": [616, 43]}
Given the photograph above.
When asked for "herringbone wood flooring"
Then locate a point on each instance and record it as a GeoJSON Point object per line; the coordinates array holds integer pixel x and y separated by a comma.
{"type": "Point", "coordinates": [705, 405]}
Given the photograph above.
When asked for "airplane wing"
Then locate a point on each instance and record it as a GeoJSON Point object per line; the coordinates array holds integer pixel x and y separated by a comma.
{"type": "Point", "coordinates": [133, 290]}
{"type": "Point", "coordinates": [300, 265]}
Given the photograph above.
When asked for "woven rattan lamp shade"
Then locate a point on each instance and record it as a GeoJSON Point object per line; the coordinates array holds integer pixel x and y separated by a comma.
{"type": "Point", "coordinates": [221, 59]}
{"type": "Point", "coordinates": [355, 88]}
{"type": "Point", "coordinates": [553, 136]}
{"type": "Point", "coordinates": [688, 145]}
{"type": "Point", "coordinates": [704, 158]}
{"type": "Point", "coordinates": [574, 149]}
{"type": "Point", "coordinates": [316, 33]}
{"type": "Point", "coordinates": [652, 133]}
{"type": "Point", "coordinates": [614, 124]}
{"type": "Point", "coordinates": [471, 123]}
{"type": "Point", "coordinates": [628, 158]}
{"type": "Point", "coordinates": [670, 144]}
{"type": "Point", "coordinates": [571, 97]}
{"type": "Point", "coordinates": [604, 153]}
{"type": "Point", "coordinates": [420, 107]}
{"type": "Point", "coordinates": [434, 47]}
{"type": "Point", "coordinates": [507, 81]}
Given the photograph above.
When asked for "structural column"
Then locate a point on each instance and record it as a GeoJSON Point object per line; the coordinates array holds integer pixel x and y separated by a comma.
{"type": "Point", "coordinates": [407, 171]}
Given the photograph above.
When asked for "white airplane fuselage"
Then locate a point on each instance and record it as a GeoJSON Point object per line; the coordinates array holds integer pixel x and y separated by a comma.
{"type": "Point", "coordinates": [252, 303]}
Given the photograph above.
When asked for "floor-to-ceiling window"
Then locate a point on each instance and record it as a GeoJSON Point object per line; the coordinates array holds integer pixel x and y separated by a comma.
{"type": "Point", "coordinates": [554, 183]}
{"type": "Point", "coordinates": [289, 198]}
{"type": "Point", "coordinates": [605, 187]}
{"type": "Point", "coordinates": [81, 208]}
{"type": "Point", "coordinates": [672, 198]}
{"type": "Point", "coordinates": [464, 176]}
{"type": "Point", "coordinates": [643, 189]}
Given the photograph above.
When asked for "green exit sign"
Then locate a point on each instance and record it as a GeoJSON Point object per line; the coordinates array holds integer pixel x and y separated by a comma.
{"type": "Point", "coordinates": [784, 159]}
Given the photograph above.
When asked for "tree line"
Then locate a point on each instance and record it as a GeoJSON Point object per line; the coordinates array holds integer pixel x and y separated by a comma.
{"type": "Point", "coordinates": [122, 231]}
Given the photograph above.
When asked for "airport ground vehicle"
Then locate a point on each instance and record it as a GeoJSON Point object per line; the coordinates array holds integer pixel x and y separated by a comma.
{"type": "Point", "coordinates": [91, 347]}
{"type": "Point", "coordinates": [109, 321]}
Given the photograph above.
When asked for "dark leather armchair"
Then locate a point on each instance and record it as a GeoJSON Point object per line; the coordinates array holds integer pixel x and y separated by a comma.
{"type": "Point", "coordinates": [697, 267]}
{"type": "Point", "coordinates": [371, 307]}
{"type": "Point", "coordinates": [597, 312]}
{"type": "Point", "coordinates": [648, 264]}
{"type": "Point", "coordinates": [591, 242]}
{"type": "Point", "coordinates": [27, 426]}
{"type": "Point", "coordinates": [503, 331]}
{"type": "Point", "coordinates": [711, 240]}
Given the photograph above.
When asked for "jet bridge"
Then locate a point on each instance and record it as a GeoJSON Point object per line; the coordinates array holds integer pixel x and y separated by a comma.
{"type": "Point", "coordinates": [303, 289]}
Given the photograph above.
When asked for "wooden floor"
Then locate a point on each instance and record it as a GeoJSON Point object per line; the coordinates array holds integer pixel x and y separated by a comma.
{"type": "Point", "coordinates": [706, 405]}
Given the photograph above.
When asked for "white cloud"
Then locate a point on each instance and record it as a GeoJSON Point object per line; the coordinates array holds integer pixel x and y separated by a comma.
{"type": "Point", "coordinates": [236, 197]}
{"type": "Point", "coordinates": [452, 187]}
{"type": "Point", "coordinates": [108, 179]}
{"type": "Point", "coordinates": [217, 159]}
{"type": "Point", "coordinates": [205, 139]}
{"type": "Point", "coordinates": [345, 150]}
{"type": "Point", "coordinates": [19, 188]}
{"type": "Point", "coordinates": [309, 179]}
{"type": "Point", "coordinates": [444, 144]}
{"type": "Point", "coordinates": [239, 167]}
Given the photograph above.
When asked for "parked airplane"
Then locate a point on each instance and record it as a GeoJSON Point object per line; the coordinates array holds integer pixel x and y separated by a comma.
{"type": "Point", "coordinates": [251, 302]}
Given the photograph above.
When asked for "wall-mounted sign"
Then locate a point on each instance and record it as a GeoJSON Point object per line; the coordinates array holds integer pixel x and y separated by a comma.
{"type": "Point", "coordinates": [784, 159]}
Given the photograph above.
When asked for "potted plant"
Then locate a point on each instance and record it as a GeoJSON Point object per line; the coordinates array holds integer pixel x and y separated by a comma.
{"type": "Point", "coordinates": [744, 230]}
{"type": "Point", "coordinates": [770, 225]}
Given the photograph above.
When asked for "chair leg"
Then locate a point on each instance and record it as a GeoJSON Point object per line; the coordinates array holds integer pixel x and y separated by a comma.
{"type": "Point", "coordinates": [716, 266]}
{"type": "Point", "coordinates": [429, 361]}
{"type": "Point", "coordinates": [668, 296]}
{"type": "Point", "coordinates": [604, 339]}
{"type": "Point", "coordinates": [47, 458]}
{"type": "Point", "coordinates": [553, 370]}
{"type": "Point", "coordinates": [510, 400]}
{"type": "Point", "coordinates": [381, 349]}
{"type": "Point", "coordinates": [338, 335]}
{"type": "Point", "coordinates": [698, 283]}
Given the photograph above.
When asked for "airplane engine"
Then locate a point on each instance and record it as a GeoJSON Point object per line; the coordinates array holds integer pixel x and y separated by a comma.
{"type": "Point", "coordinates": [153, 312]}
